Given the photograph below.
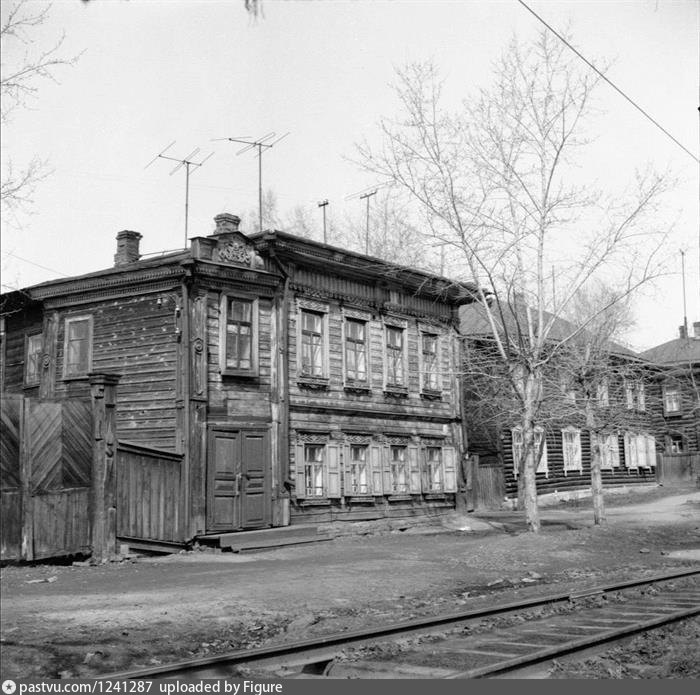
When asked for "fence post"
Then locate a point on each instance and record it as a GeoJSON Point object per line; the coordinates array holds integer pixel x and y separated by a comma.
{"type": "Point", "coordinates": [103, 389]}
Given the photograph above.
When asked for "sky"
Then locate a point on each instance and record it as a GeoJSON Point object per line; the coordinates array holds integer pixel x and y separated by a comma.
{"type": "Point", "coordinates": [151, 72]}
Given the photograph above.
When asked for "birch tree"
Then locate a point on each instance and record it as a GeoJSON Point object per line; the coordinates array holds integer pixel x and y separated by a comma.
{"type": "Point", "coordinates": [498, 181]}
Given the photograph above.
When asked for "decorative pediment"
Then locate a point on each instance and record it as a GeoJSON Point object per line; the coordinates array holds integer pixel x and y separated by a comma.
{"type": "Point", "coordinates": [232, 246]}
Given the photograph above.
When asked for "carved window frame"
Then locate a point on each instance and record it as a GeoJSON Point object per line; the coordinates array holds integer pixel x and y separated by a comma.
{"type": "Point", "coordinates": [400, 325]}
{"type": "Point", "coordinates": [254, 301]}
{"type": "Point", "coordinates": [571, 451]}
{"type": "Point", "coordinates": [353, 315]}
{"type": "Point", "coordinates": [427, 388]}
{"type": "Point", "coordinates": [32, 379]}
{"type": "Point", "coordinates": [83, 371]}
{"type": "Point", "coordinates": [321, 309]}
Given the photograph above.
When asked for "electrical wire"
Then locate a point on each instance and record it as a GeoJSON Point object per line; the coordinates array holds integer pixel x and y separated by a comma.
{"type": "Point", "coordinates": [10, 254]}
{"type": "Point", "coordinates": [614, 86]}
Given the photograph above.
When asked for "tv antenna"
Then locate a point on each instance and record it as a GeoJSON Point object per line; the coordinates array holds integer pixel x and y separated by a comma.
{"type": "Point", "coordinates": [265, 141]}
{"type": "Point", "coordinates": [187, 162]}
{"type": "Point", "coordinates": [322, 204]}
{"type": "Point", "coordinates": [366, 194]}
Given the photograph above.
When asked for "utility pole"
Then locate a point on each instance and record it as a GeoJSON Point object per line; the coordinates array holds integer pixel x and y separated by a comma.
{"type": "Point", "coordinates": [323, 205]}
{"type": "Point", "coordinates": [187, 163]}
{"type": "Point", "coordinates": [257, 144]}
{"type": "Point", "coordinates": [685, 310]}
{"type": "Point", "coordinates": [367, 196]}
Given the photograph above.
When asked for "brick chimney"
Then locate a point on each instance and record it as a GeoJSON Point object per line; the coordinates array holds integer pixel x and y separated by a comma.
{"type": "Point", "coordinates": [127, 248]}
{"type": "Point", "coordinates": [226, 223]}
{"type": "Point", "coordinates": [682, 332]}
{"type": "Point", "coordinates": [696, 330]}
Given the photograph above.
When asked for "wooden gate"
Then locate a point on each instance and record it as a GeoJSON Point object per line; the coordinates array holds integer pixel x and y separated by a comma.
{"type": "Point", "coordinates": [678, 468]}
{"type": "Point", "coordinates": [489, 485]}
{"type": "Point", "coordinates": [45, 477]}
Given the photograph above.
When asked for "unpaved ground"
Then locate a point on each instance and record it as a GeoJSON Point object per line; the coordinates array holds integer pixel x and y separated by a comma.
{"type": "Point", "coordinates": [83, 621]}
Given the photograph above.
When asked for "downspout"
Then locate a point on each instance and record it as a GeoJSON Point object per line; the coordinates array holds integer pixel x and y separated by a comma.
{"type": "Point", "coordinates": [185, 444]}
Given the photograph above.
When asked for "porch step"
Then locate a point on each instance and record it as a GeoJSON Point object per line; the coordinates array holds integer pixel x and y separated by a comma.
{"type": "Point", "coordinates": [268, 538]}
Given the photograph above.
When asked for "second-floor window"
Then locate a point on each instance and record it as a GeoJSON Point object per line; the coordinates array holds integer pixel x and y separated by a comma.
{"type": "Point", "coordinates": [672, 400]}
{"type": "Point", "coordinates": [429, 356]}
{"type": "Point", "coordinates": [32, 364]}
{"type": "Point", "coordinates": [394, 356]}
{"type": "Point", "coordinates": [312, 343]}
{"type": "Point", "coordinates": [356, 350]}
{"type": "Point", "coordinates": [641, 396]}
{"type": "Point", "coordinates": [239, 334]}
{"type": "Point", "coordinates": [602, 393]}
{"type": "Point", "coordinates": [77, 354]}
{"type": "Point", "coordinates": [629, 395]}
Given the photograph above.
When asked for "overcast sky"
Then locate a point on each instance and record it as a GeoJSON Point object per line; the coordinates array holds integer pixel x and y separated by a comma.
{"type": "Point", "coordinates": [152, 72]}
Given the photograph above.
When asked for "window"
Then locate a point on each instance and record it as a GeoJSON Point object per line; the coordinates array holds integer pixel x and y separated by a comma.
{"type": "Point", "coordinates": [398, 470]}
{"type": "Point", "coordinates": [641, 396]}
{"type": "Point", "coordinates": [609, 450]}
{"type": "Point", "coordinates": [429, 354]}
{"type": "Point", "coordinates": [358, 476]}
{"type": "Point", "coordinates": [77, 348]}
{"type": "Point", "coordinates": [394, 356]}
{"type": "Point", "coordinates": [672, 400]}
{"type": "Point", "coordinates": [313, 469]}
{"type": "Point", "coordinates": [675, 443]}
{"type": "Point", "coordinates": [355, 351]}
{"type": "Point", "coordinates": [239, 339]}
{"type": "Point", "coordinates": [571, 448]}
{"type": "Point", "coordinates": [629, 395]}
{"type": "Point", "coordinates": [433, 470]}
{"type": "Point", "coordinates": [32, 365]}
{"type": "Point", "coordinates": [312, 346]}
{"type": "Point", "coordinates": [640, 451]}
{"type": "Point", "coordinates": [567, 389]}
{"type": "Point", "coordinates": [602, 393]}
{"type": "Point", "coordinates": [517, 435]}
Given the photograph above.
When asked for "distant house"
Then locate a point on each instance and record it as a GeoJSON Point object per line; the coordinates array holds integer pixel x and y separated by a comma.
{"type": "Point", "coordinates": [265, 380]}
{"type": "Point", "coordinates": [678, 386]}
{"type": "Point", "coordinates": [622, 400]}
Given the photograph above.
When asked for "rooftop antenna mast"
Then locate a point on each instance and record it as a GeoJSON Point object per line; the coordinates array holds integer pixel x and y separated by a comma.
{"type": "Point", "coordinates": [685, 310]}
{"type": "Point", "coordinates": [265, 141]}
{"type": "Point", "coordinates": [187, 162]}
{"type": "Point", "coordinates": [367, 196]}
{"type": "Point", "coordinates": [322, 204]}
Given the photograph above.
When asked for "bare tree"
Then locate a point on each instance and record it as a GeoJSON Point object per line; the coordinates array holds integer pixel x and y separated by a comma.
{"type": "Point", "coordinates": [497, 178]}
{"type": "Point", "coordinates": [24, 67]}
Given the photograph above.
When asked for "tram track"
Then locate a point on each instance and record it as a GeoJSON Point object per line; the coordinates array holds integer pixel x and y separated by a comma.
{"type": "Point", "coordinates": [443, 646]}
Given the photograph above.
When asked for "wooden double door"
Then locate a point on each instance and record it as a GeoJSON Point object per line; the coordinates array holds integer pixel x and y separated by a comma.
{"type": "Point", "coordinates": [238, 485]}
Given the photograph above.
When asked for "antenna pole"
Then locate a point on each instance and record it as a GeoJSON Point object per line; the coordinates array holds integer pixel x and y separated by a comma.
{"type": "Point", "coordinates": [685, 311]}
{"type": "Point", "coordinates": [187, 162]}
{"type": "Point", "coordinates": [260, 185]}
{"type": "Point", "coordinates": [367, 196]}
{"type": "Point", "coordinates": [323, 205]}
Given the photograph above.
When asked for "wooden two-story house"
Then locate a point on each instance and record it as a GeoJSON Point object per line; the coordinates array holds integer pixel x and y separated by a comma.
{"type": "Point", "coordinates": [622, 398]}
{"type": "Point", "coordinates": [265, 380]}
{"type": "Point", "coordinates": [678, 386]}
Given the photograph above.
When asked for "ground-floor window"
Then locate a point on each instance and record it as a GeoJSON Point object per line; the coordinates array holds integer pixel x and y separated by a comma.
{"type": "Point", "coordinates": [640, 451]}
{"type": "Point", "coordinates": [365, 465]}
{"type": "Point", "coordinates": [540, 449]}
{"type": "Point", "coordinates": [398, 471]}
{"type": "Point", "coordinates": [571, 449]}
{"type": "Point", "coordinates": [609, 450]}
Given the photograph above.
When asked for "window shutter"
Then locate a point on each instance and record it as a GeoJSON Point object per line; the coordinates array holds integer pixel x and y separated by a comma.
{"type": "Point", "coordinates": [386, 468]}
{"type": "Point", "coordinates": [630, 451]}
{"type": "Point", "coordinates": [651, 451]}
{"type": "Point", "coordinates": [542, 466]}
{"type": "Point", "coordinates": [346, 468]}
{"type": "Point", "coordinates": [300, 489]}
{"type": "Point", "coordinates": [414, 469]}
{"type": "Point", "coordinates": [333, 469]}
{"type": "Point", "coordinates": [614, 444]}
{"type": "Point", "coordinates": [424, 473]}
{"type": "Point", "coordinates": [517, 449]}
{"type": "Point", "coordinates": [375, 465]}
{"type": "Point", "coordinates": [449, 463]}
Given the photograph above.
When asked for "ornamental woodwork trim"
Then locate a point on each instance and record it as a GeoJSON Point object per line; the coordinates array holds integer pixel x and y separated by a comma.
{"type": "Point", "coordinates": [312, 305]}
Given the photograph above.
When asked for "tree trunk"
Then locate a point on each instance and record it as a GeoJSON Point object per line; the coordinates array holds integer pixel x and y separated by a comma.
{"type": "Point", "coordinates": [532, 514]}
{"type": "Point", "coordinates": [596, 459]}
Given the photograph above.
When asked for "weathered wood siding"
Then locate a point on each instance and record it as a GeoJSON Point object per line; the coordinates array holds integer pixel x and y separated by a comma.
{"type": "Point", "coordinates": [339, 410]}
{"type": "Point", "coordinates": [18, 327]}
{"type": "Point", "coordinates": [10, 478]}
{"type": "Point", "coordinates": [136, 337]}
{"type": "Point", "coordinates": [61, 522]}
{"type": "Point", "coordinates": [236, 398]}
{"type": "Point", "coordinates": [150, 494]}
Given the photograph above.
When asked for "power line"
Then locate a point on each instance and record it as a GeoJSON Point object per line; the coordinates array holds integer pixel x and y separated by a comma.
{"type": "Point", "coordinates": [26, 260]}
{"type": "Point", "coordinates": [614, 86]}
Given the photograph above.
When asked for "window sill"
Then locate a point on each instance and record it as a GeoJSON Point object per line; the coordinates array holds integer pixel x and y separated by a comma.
{"type": "Point", "coordinates": [32, 385]}
{"type": "Point", "coordinates": [77, 377]}
{"type": "Point", "coordinates": [313, 382]}
{"type": "Point", "coordinates": [361, 389]}
{"type": "Point", "coordinates": [435, 496]}
{"type": "Point", "coordinates": [400, 497]}
{"type": "Point", "coordinates": [314, 502]}
{"type": "Point", "coordinates": [673, 413]}
{"type": "Point", "coordinates": [360, 499]}
{"type": "Point", "coordinates": [431, 394]}
{"type": "Point", "coordinates": [242, 373]}
{"type": "Point", "coordinates": [396, 391]}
